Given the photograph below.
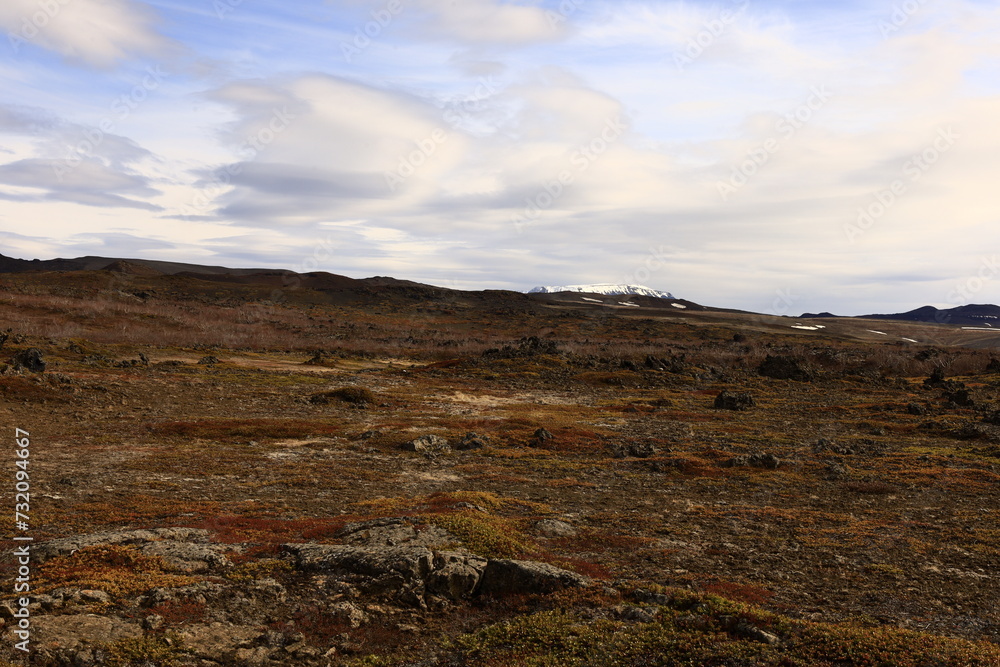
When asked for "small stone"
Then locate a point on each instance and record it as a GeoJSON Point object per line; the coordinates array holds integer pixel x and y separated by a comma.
{"type": "Point", "coordinates": [835, 470]}
{"type": "Point", "coordinates": [554, 528]}
{"type": "Point", "coordinates": [756, 634]}
{"type": "Point", "coordinates": [540, 437]}
{"type": "Point", "coordinates": [349, 613]}
{"type": "Point", "coordinates": [636, 614]}
{"type": "Point", "coordinates": [91, 596]}
{"type": "Point", "coordinates": [427, 443]}
{"type": "Point", "coordinates": [756, 460]}
{"type": "Point", "coordinates": [473, 441]}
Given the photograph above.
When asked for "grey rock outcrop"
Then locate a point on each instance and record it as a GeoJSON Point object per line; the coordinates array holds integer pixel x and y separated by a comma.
{"type": "Point", "coordinates": [730, 401]}
{"type": "Point", "coordinates": [428, 443]}
{"type": "Point", "coordinates": [516, 577]}
{"type": "Point", "coordinates": [183, 549]}
{"type": "Point", "coordinates": [30, 360]}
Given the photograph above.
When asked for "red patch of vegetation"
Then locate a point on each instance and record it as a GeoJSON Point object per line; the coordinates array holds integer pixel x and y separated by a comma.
{"type": "Point", "coordinates": [570, 439]}
{"type": "Point", "coordinates": [741, 592]}
{"type": "Point", "coordinates": [318, 625]}
{"type": "Point", "coordinates": [177, 612]}
{"type": "Point", "coordinates": [23, 389]}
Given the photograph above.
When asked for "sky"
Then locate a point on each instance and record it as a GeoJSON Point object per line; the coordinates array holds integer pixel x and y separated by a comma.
{"type": "Point", "coordinates": [779, 156]}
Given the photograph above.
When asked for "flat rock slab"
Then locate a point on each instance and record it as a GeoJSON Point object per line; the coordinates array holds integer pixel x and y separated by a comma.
{"type": "Point", "coordinates": [417, 569]}
{"type": "Point", "coordinates": [517, 577]}
{"type": "Point", "coordinates": [72, 632]}
{"type": "Point", "coordinates": [182, 549]}
{"type": "Point", "coordinates": [395, 531]}
{"type": "Point", "coordinates": [413, 562]}
{"type": "Point", "coordinates": [217, 641]}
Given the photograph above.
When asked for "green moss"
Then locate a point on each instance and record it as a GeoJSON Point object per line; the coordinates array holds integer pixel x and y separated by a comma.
{"type": "Point", "coordinates": [141, 652]}
{"type": "Point", "coordinates": [706, 630]}
{"type": "Point", "coordinates": [486, 535]}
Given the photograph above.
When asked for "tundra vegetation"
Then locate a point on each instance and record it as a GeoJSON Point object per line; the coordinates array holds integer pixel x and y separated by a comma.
{"type": "Point", "coordinates": [409, 479]}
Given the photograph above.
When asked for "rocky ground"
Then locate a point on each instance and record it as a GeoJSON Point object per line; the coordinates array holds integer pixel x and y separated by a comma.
{"type": "Point", "coordinates": [759, 500]}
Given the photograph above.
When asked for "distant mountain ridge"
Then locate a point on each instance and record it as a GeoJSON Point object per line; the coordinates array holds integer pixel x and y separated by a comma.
{"type": "Point", "coordinates": [977, 315]}
{"type": "Point", "coordinates": [985, 316]}
{"type": "Point", "coordinates": [607, 289]}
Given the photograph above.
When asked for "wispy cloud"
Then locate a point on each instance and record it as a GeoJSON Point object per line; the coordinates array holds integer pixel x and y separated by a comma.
{"type": "Point", "coordinates": [98, 33]}
{"type": "Point", "coordinates": [503, 144]}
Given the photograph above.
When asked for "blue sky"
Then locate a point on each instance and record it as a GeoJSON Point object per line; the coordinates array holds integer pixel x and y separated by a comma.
{"type": "Point", "coordinates": [774, 156]}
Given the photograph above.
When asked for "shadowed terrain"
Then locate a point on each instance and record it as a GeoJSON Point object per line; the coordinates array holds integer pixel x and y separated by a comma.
{"type": "Point", "coordinates": [267, 468]}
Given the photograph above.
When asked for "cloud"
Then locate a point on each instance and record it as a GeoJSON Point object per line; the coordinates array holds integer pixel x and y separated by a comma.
{"type": "Point", "coordinates": [488, 22]}
{"type": "Point", "coordinates": [25, 120]}
{"type": "Point", "coordinates": [97, 33]}
{"type": "Point", "coordinates": [89, 183]}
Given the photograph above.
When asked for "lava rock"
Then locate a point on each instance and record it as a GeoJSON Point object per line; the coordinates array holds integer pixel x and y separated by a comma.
{"type": "Point", "coordinates": [521, 577]}
{"type": "Point", "coordinates": [554, 528]}
{"type": "Point", "coordinates": [784, 368]}
{"type": "Point", "coordinates": [428, 443]}
{"type": "Point", "coordinates": [540, 437]}
{"type": "Point", "coordinates": [756, 460]}
{"type": "Point", "coordinates": [30, 359]}
{"type": "Point", "coordinates": [472, 441]}
{"type": "Point", "coordinates": [732, 401]}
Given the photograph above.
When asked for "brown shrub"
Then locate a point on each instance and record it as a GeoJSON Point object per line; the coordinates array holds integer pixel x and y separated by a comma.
{"type": "Point", "coordinates": [231, 429]}
{"type": "Point", "coordinates": [355, 395]}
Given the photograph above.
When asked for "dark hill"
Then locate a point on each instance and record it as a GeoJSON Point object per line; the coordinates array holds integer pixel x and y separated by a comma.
{"type": "Point", "coordinates": [981, 315]}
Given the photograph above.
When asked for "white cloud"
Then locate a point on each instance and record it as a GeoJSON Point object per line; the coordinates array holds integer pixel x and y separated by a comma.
{"type": "Point", "coordinates": [99, 33]}
{"type": "Point", "coordinates": [489, 21]}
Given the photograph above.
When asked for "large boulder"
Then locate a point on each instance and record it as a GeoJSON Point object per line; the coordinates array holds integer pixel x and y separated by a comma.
{"type": "Point", "coordinates": [784, 368]}
{"type": "Point", "coordinates": [406, 572]}
{"type": "Point", "coordinates": [30, 360]}
{"type": "Point", "coordinates": [520, 577]}
{"type": "Point", "coordinates": [730, 401]}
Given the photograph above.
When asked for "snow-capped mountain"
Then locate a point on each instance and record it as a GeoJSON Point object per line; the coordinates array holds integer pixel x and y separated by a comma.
{"type": "Point", "coordinates": [603, 288]}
